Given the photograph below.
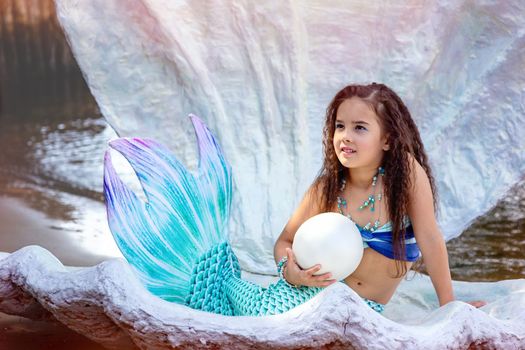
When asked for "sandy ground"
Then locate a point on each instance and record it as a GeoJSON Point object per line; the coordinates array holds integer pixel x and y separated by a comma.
{"type": "Point", "coordinates": [21, 226]}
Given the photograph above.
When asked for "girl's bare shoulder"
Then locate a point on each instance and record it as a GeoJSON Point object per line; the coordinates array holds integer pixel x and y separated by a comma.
{"type": "Point", "coordinates": [308, 207]}
{"type": "Point", "coordinates": [421, 203]}
{"type": "Point", "coordinates": [313, 197]}
{"type": "Point", "coordinates": [416, 171]}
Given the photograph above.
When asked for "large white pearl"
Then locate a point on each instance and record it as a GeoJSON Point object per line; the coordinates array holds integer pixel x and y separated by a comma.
{"type": "Point", "coordinates": [329, 239]}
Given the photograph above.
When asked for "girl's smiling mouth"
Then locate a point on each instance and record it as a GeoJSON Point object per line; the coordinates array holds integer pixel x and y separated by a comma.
{"type": "Point", "coordinates": [347, 151]}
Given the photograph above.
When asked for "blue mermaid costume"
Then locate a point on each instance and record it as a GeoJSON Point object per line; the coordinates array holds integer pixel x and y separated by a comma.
{"type": "Point", "coordinates": [177, 240]}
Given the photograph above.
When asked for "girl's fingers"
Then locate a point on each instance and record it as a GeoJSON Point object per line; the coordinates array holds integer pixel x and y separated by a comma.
{"type": "Point", "coordinates": [319, 283]}
{"type": "Point", "coordinates": [323, 277]}
{"type": "Point", "coordinates": [313, 269]}
{"type": "Point", "coordinates": [308, 275]}
{"type": "Point", "coordinates": [327, 283]}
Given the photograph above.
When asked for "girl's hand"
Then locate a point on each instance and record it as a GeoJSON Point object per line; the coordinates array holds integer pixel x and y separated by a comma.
{"type": "Point", "coordinates": [477, 303]}
{"type": "Point", "coordinates": [295, 275]}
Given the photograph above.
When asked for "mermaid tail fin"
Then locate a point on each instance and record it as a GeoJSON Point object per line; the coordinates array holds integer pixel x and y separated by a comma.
{"type": "Point", "coordinates": [184, 217]}
{"type": "Point", "coordinates": [177, 241]}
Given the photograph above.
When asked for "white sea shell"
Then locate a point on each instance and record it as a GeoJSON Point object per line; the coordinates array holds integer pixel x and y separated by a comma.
{"type": "Point", "coordinates": [262, 73]}
{"type": "Point", "coordinates": [109, 305]}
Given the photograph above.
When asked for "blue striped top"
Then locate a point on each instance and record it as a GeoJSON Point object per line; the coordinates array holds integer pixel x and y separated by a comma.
{"type": "Point", "coordinates": [381, 240]}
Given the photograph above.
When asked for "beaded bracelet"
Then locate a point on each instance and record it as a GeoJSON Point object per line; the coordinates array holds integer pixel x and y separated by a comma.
{"type": "Point", "coordinates": [281, 265]}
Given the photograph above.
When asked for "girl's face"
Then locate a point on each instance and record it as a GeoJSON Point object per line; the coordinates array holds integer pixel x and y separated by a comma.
{"type": "Point", "coordinates": [358, 139]}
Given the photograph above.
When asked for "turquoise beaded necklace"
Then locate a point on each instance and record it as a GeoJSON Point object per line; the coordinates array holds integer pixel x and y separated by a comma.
{"type": "Point", "coordinates": [369, 202]}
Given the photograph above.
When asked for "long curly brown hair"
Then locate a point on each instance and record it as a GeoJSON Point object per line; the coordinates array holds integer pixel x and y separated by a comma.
{"type": "Point", "coordinates": [403, 139]}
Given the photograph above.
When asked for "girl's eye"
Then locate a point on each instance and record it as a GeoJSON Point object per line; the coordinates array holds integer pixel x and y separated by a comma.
{"type": "Point", "coordinates": [360, 128]}
{"type": "Point", "coordinates": [339, 126]}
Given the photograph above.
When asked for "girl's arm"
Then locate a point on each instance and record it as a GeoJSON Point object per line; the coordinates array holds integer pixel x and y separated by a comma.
{"type": "Point", "coordinates": [283, 246]}
{"type": "Point", "coordinates": [303, 212]}
{"type": "Point", "coordinates": [428, 236]}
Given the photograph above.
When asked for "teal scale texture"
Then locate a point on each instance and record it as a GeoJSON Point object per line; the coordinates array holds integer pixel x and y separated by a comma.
{"type": "Point", "coordinates": [216, 287]}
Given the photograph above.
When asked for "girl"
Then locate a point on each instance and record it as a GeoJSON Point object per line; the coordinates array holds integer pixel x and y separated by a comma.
{"type": "Point", "coordinates": [376, 172]}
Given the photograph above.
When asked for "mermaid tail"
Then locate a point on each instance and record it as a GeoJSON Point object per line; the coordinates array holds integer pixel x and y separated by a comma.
{"type": "Point", "coordinates": [216, 287]}
{"type": "Point", "coordinates": [177, 241]}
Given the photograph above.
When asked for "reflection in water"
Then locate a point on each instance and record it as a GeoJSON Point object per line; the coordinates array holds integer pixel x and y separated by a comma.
{"type": "Point", "coordinates": [53, 138]}
{"type": "Point", "coordinates": [54, 154]}
{"type": "Point", "coordinates": [56, 169]}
